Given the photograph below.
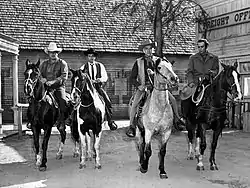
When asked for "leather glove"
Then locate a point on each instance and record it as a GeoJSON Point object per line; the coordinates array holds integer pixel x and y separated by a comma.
{"type": "Point", "coordinates": [191, 84]}
{"type": "Point", "coordinates": [49, 83]}
{"type": "Point", "coordinates": [150, 72]}
{"type": "Point", "coordinates": [142, 87]}
{"type": "Point", "coordinates": [43, 80]}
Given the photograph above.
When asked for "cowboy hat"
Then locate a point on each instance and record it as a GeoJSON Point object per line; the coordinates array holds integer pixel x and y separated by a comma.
{"type": "Point", "coordinates": [146, 43]}
{"type": "Point", "coordinates": [52, 48]}
{"type": "Point", "coordinates": [187, 92]}
{"type": "Point", "coordinates": [90, 51]}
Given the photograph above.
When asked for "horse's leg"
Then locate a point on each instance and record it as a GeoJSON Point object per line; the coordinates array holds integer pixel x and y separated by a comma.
{"type": "Point", "coordinates": [97, 150]}
{"type": "Point", "coordinates": [36, 134]}
{"type": "Point", "coordinates": [162, 152]}
{"type": "Point", "coordinates": [203, 145]}
{"type": "Point", "coordinates": [76, 151]}
{"type": "Point", "coordinates": [147, 152]}
{"type": "Point", "coordinates": [190, 136]}
{"type": "Point", "coordinates": [75, 136]}
{"type": "Point", "coordinates": [89, 146]}
{"type": "Point", "coordinates": [215, 138]}
{"type": "Point", "coordinates": [47, 133]}
{"type": "Point", "coordinates": [62, 131]}
{"type": "Point", "coordinates": [140, 146]}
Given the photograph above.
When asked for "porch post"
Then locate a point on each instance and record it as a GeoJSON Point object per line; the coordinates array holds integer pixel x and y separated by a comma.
{"type": "Point", "coordinates": [1, 110]}
{"type": "Point", "coordinates": [15, 89]}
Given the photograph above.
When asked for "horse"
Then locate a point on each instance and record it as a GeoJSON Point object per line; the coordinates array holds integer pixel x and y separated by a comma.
{"type": "Point", "coordinates": [209, 112]}
{"type": "Point", "coordinates": [89, 113]}
{"type": "Point", "coordinates": [156, 117]}
{"type": "Point", "coordinates": [43, 113]}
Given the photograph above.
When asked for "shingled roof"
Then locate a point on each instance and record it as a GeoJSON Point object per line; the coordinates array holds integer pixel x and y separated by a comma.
{"type": "Point", "coordinates": [74, 24]}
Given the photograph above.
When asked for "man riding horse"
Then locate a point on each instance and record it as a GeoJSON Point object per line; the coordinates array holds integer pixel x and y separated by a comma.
{"type": "Point", "coordinates": [202, 65]}
{"type": "Point", "coordinates": [143, 67]}
{"type": "Point", "coordinates": [54, 73]}
{"type": "Point", "coordinates": [98, 75]}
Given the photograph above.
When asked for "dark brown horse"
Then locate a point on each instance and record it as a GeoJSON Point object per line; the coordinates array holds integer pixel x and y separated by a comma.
{"type": "Point", "coordinates": [210, 112]}
{"type": "Point", "coordinates": [42, 113]}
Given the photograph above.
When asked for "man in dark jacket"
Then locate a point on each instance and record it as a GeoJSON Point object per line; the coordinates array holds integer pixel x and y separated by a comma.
{"type": "Point", "coordinates": [202, 64]}
{"type": "Point", "coordinates": [98, 75]}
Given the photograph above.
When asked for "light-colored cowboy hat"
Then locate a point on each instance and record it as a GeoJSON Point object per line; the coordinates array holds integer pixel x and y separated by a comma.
{"type": "Point", "coordinates": [52, 48]}
{"type": "Point", "coordinates": [146, 43]}
{"type": "Point", "coordinates": [187, 92]}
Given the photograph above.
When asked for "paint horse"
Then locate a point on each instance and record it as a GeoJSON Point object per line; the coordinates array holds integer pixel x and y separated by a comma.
{"type": "Point", "coordinates": [156, 117]}
{"type": "Point", "coordinates": [42, 112]}
{"type": "Point", "coordinates": [209, 113]}
{"type": "Point", "coordinates": [89, 112]}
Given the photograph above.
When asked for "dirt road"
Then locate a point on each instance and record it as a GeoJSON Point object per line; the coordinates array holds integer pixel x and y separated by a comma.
{"type": "Point", "coordinates": [119, 163]}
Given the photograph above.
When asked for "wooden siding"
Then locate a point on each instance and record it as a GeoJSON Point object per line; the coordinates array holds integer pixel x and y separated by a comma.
{"type": "Point", "coordinates": [228, 41]}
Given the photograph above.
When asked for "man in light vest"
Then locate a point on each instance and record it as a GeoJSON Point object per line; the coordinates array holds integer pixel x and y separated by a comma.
{"type": "Point", "coordinates": [140, 79]}
{"type": "Point", "coordinates": [98, 75]}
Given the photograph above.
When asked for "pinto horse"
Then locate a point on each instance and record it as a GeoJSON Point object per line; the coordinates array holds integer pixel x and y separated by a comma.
{"type": "Point", "coordinates": [156, 117]}
{"type": "Point", "coordinates": [89, 112]}
{"type": "Point", "coordinates": [43, 113]}
{"type": "Point", "coordinates": [209, 113]}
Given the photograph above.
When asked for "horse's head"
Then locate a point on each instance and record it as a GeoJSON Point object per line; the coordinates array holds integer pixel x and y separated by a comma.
{"type": "Point", "coordinates": [231, 80]}
{"type": "Point", "coordinates": [31, 76]}
{"type": "Point", "coordinates": [165, 75]}
{"type": "Point", "coordinates": [80, 83]}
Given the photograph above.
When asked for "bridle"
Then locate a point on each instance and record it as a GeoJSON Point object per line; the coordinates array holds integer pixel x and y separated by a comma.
{"type": "Point", "coordinates": [81, 92]}
{"type": "Point", "coordinates": [163, 76]}
{"type": "Point", "coordinates": [33, 84]}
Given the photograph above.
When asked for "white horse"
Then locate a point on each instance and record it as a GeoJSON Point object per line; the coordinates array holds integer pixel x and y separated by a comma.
{"type": "Point", "coordinates": [156, 117]}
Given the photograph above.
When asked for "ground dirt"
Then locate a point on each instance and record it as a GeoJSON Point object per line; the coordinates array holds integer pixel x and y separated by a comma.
{"type": "Point", "coordinates": [119, 164]}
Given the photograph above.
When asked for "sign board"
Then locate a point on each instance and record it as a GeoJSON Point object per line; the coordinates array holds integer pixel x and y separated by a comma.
{"type": "Point", "coordinates": [228, 19]}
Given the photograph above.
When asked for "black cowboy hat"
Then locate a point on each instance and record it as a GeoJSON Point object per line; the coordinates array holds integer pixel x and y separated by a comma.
{"type": "Point", "coordinates": [91, 51]}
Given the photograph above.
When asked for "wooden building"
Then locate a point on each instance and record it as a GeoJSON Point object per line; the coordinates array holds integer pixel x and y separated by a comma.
{"type": "Point", "coordinates": [8, 52]}
{"type": "Point", "coordinates": [229, 37]}
{"type": "Point", "coordinates": [75, 26]}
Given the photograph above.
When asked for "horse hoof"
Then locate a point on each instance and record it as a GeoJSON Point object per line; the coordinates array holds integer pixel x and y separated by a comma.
{"type": "Point", "coordinates": [214, 168]}
{"type": "Point", "coordinates": [163, 176]}
{"type": "Point", "coordinates": [190, 158]}
{"type": "Point", "coordinates": [143, 170]}
{"type": "Point", "coordinates": [75, 155]}
{"type": "Point", "coordinates": [199, 168]}
{"type": "Point", "coordinates": [58, 156]}
{"type": "Point", "coordinates": [42, 168]}
{"type": "Point", "coordinates": [98, 167]}
{"type": "Point", "coordinates": [82, 166]}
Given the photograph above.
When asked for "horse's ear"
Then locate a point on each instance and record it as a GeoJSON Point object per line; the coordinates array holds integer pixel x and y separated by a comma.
{"type": "Point", "coordinates": [223, 65]}
{"type": "Point", "coordinates": [27, 62]}
{"type": "Point", "coordinates": [235, 65]}
{"type": "Point", "coordinates": [157, 62]}
{"type": "Point", "coordinates": [71, 70]}
{"type": "Point", "coordinates": [38, 63]}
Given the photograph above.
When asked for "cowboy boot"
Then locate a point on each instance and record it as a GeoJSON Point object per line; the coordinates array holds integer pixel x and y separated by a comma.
{"type": "Point", "coordinates": [112, 125]}
{"type": "Point", "coordinates": [131, 131]}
